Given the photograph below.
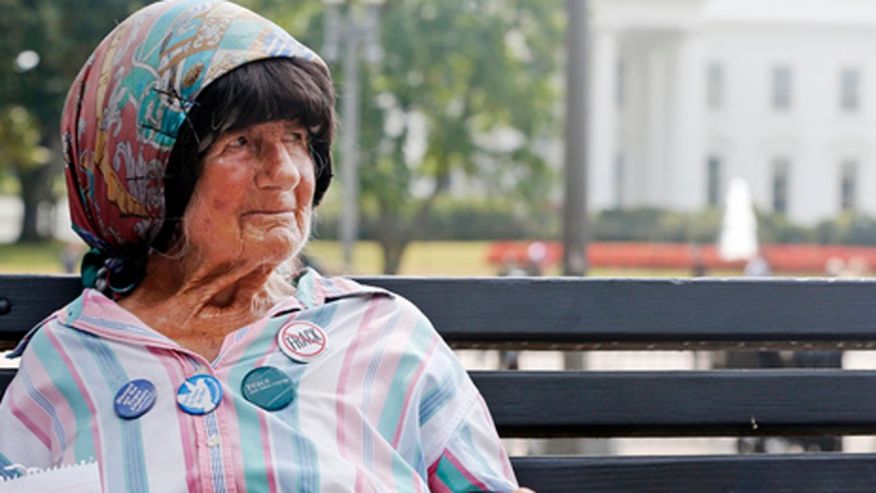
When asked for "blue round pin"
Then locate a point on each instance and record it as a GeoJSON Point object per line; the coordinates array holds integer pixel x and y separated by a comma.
{"type": "Point", "coordinates": [199, 394]}
{"type": "Point", "coordinates": [134, 399]}
{"type": "Point", "coordinates": [268, 387]}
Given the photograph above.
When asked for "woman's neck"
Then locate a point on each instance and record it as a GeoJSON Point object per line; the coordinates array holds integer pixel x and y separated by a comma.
{"type": "Point", "coordinates": [197, 303]}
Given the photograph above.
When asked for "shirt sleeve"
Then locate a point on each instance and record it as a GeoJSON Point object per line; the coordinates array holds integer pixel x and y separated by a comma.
{"type": "Point", "coordinates": [457, 448]}
{"type": "Point", "coordinates": [474, 459]}
{"type": "Point", "coordinates": [27, 434]}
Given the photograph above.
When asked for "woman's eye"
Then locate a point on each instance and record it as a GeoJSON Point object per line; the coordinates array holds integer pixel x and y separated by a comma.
{"type": "Point", "coordinates": [296, 136]}
{"type": "Point", "coordinates": [238, 142]}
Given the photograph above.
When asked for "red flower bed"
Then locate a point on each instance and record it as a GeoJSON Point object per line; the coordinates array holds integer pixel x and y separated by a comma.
{"type": "Point", "coordinates": [809, 259]}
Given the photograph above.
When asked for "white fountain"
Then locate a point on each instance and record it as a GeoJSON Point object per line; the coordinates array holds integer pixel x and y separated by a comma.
{"type": "Point", "coordinates": [738, 239]}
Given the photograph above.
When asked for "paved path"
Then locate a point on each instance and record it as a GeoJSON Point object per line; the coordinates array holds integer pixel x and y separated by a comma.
{"type": "Point", "coordinates": [11, 211]}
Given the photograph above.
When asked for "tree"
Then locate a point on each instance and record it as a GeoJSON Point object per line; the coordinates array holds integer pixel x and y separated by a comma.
{"type": "Point", "coordinates": [464, 90]}
{"type": "Point", "coordinates": [62, 33]}
{"type": "Point", "coordinates": [20, 148]}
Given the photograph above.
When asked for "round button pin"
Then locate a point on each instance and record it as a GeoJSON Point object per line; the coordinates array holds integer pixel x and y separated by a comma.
{"type": "Point", "coordinates": [199, 394]}
{"type": "Point", "coordinates": [302, 342]}
{"type": "Point", "coordinates": [134, 399]}
{"type": "Point", "coordinates": [268, 387]}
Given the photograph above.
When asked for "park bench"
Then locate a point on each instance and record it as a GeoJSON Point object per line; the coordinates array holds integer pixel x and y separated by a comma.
{"type": "Point", "coordinates": [654, 314]}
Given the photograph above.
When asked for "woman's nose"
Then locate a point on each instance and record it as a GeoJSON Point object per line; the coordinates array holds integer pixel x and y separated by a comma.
{"type": "Point", "coordinates": [278, 166]}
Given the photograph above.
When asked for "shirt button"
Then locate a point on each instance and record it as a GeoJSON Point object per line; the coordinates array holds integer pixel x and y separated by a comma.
{"type": "Point", "coordinates": [212, 440]}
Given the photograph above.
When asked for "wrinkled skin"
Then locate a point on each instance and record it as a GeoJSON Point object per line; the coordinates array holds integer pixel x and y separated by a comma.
{"type": "Point", "coordinates": [252, 203]}
{"type": "Point", "coordinates": [250, 212]}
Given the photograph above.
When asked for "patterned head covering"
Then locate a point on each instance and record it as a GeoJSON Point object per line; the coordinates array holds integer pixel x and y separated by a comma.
{"type": "Point", "coordinates": [126, 106]}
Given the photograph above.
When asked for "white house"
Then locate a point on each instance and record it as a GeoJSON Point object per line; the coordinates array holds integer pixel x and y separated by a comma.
{"type": "Point", "coordinates": [687, 94]}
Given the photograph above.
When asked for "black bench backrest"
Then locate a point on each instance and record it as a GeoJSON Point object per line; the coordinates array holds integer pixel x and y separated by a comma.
{"type": "Point", "coordinates": [598, 314]}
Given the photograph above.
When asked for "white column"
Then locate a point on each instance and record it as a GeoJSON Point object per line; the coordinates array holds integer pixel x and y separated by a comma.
{"type": "Point", "coordinates": [603, 117]}
{"type": "Point", "coordinates": [687, 189]}
{"type": "Point", "coordinates": [633, 127]}
{"type": "Point", "coordinates": [652, 175]}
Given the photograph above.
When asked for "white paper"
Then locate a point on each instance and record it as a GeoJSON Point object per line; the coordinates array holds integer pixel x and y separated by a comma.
{"type": "Point", "coordinates": [79, 478]}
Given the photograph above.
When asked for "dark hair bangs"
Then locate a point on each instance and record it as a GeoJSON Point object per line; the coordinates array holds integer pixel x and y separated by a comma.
{"type": "Point", "coordinates": [272, 90]}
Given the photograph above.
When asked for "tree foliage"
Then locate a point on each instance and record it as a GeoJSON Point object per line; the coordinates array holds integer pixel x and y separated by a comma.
{"type": "Point", "coordinates": [466, 91]}
{"type": "Point", "coordinates": [20, 135]}
{"type": "Point", "coordinates": [62, 33]}
{"type": "Point", "coordinates": [466, 96]}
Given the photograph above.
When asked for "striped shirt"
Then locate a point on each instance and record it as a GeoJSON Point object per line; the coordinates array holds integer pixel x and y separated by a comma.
{"type": "Point", "coordinates": [388, 407]}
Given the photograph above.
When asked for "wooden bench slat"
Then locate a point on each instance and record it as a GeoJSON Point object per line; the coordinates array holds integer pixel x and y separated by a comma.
{"type": "Point", "coordinates": [595, 313]}
{"type": "Point", "coordinates": [811, 473]}
{"type": "Point", "coordinates": [32, 299]}
{"type": "Point", "coordinates": [628, 313]}
{"type": "Point", "coordinates": [718, 403]}
{"type": "Point", "coordinates": [645, 314]}
{"type": "Point", "coordinates": [711, 403]}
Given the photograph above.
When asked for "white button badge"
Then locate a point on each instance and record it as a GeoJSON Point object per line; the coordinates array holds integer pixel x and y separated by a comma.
{"type": "Point", "coordinates": [302, 341]}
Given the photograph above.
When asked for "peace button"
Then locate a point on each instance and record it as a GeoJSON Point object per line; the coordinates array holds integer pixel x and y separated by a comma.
{"type": "Point", "coordinates": [268, 387]}
{"type": "Point", "coordinates": [134, 399]}
{"type": "Point", "coordinates": [199, 394]}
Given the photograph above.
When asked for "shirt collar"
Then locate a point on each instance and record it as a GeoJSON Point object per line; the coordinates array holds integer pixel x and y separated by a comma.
{"type": "Point", "coordinates": [99, 315]}
{"type": "Point", "coordinates": [96, 314]}
{"type": "Point", "coordinates": [313, 290]}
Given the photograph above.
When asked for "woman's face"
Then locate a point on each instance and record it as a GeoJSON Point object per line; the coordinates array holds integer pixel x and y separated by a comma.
{"type": "Point", "coordinates": [252, 202]}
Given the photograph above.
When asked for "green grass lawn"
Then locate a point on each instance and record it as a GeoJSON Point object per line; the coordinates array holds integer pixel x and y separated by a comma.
{"type": "Point", "coordinates": [436, 258]}
{"type": "Point", "coordinates": [31, 258]}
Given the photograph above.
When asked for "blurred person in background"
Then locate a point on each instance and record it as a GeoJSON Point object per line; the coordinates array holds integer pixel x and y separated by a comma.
{"type": "Point", "coordinates": [200, 357]}
{"type": "Point", "coordinates": [698, 262]}
{"type": "Point", "coordinates": [70, 257]}
{"type": "Point", "coordinates": [532, 265]}
{"type": "Point", "coordinates": [758, 266]}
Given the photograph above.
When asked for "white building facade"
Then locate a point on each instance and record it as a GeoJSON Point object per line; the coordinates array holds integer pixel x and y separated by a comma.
{"type": "Point", "coordinates": [687, 94]}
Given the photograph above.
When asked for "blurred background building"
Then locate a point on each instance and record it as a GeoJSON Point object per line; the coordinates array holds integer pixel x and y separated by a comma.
{"type": "Point", "coordinates": [687, 94]}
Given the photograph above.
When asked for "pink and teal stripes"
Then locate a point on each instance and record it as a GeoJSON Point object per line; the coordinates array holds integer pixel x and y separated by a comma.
{"type": "Point", "coordinates": [388, 408]}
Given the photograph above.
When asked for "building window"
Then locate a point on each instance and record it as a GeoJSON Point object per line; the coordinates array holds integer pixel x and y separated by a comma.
{"type": "Point", "coordinates": [781, 87]}
{"type": "Point", "coordinates": [781, 172]}
{"type": "Point", "coordinates": [715, 86]}
{"type": "Point", "coordinates": [713, 181]}
{"type": "Point", "coordinates": [850, 89]}
{"type": "Point", "coordinates": [848, 184]}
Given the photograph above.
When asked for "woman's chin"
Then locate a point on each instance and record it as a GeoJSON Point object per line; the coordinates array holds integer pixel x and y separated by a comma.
{"type": "Point", "coordinates": [275, 247]}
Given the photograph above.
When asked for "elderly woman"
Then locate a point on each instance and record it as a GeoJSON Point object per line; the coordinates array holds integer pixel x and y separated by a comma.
{"type": "Point", "coordinates": [197, 143]}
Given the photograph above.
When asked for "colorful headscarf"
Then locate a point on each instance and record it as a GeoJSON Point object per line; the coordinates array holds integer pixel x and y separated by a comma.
{"type": "Point", "coordinates": [126, 106]}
